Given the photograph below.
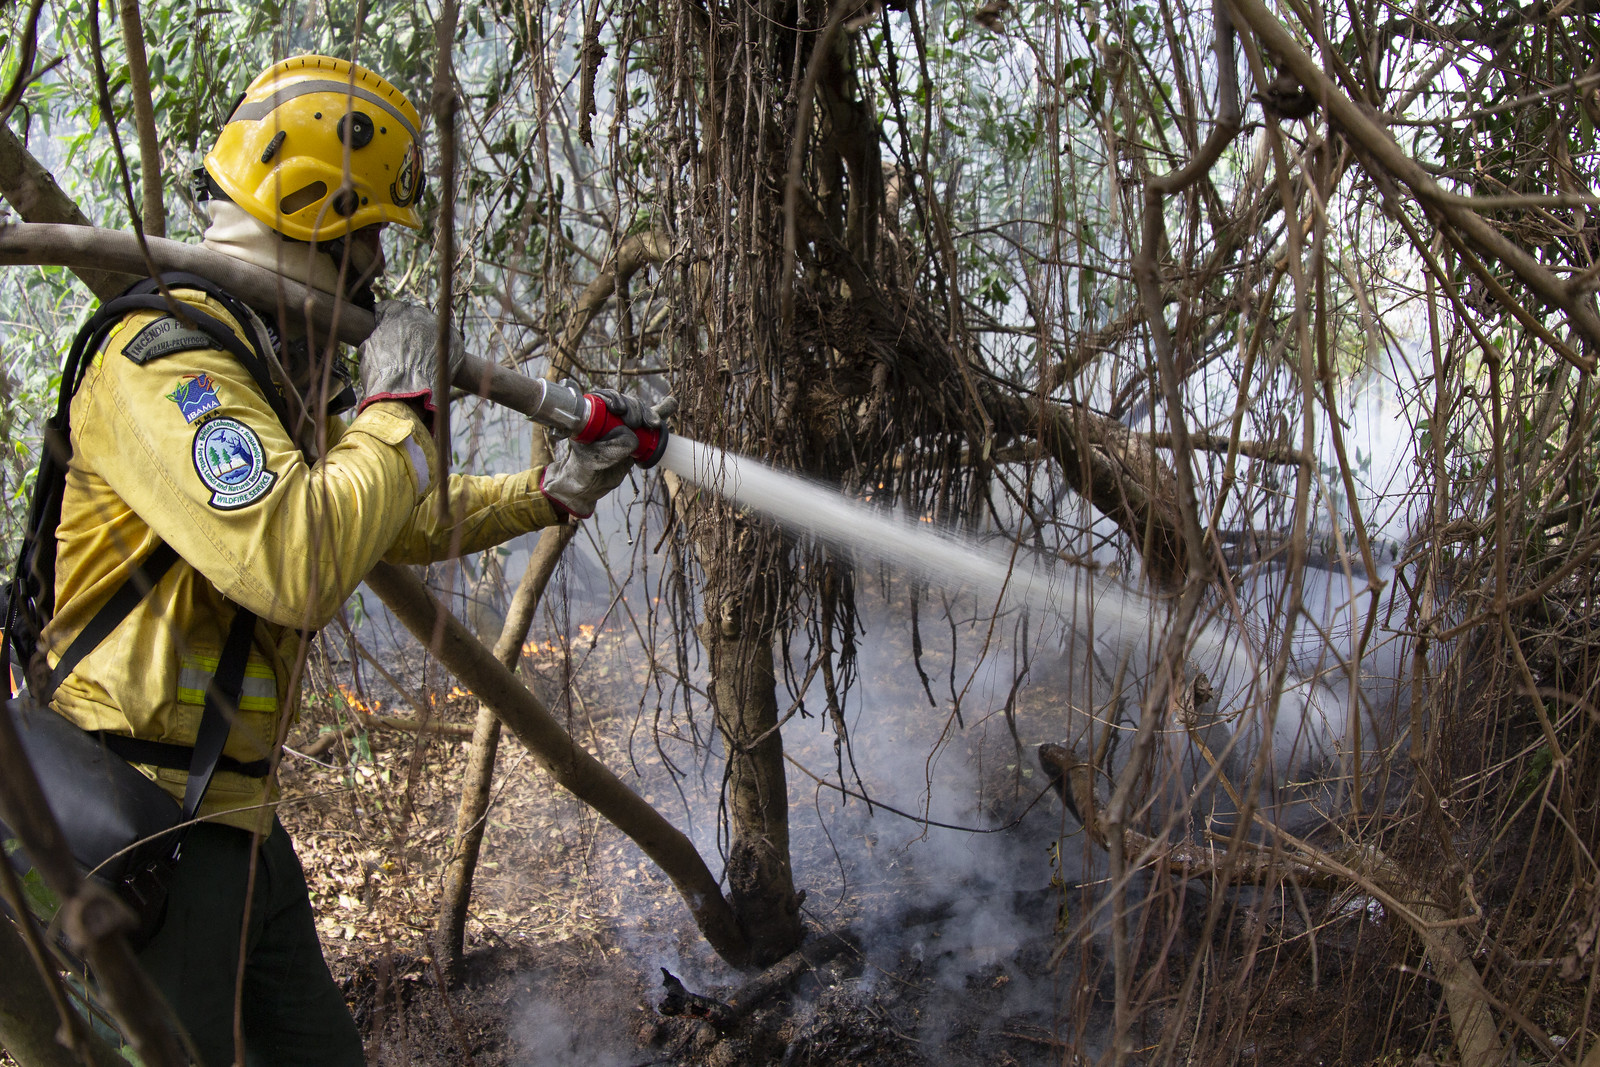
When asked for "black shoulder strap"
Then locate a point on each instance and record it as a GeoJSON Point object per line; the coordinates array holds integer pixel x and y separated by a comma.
{"type": "Point", "coordinates": [222, 703]}
{"type": "Point", "coordinates": [113, 611]}
{"type": "Point", "coordinates": [250, 357]}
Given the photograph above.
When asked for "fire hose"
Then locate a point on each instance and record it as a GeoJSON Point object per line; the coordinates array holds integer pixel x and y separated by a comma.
{"type": "Point", "coordinates": [563, 408]}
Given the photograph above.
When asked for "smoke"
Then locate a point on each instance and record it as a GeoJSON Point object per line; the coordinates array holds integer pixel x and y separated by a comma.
{"type": "Point", "coordinates": [580, 1033]}
{"type": "Point", "coordinates": [1317, 723]}
{"type": "Point", "coordinates": [928, 831]}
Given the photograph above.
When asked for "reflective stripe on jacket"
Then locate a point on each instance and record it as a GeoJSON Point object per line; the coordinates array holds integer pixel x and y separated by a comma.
{"type": "Point", "coordinates": [184, 448]}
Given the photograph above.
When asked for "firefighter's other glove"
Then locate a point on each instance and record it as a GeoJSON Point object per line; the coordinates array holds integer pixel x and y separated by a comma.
{"type": "Point", "coordinates": [399, 360]}
{"type": "Point", "coordinates": [632, 411]}
{"type": "Point", "coordinates": [583, 473]}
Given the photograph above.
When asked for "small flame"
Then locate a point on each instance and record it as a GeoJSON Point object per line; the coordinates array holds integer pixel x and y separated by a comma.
{"type": "Point", "coordinates": [536, 648]}
{"type": "Point", "coordinates": [354, 702]}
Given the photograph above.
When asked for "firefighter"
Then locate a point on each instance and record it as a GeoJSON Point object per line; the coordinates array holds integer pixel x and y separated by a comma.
{"type": "Point", "coordinates": [176, 442]}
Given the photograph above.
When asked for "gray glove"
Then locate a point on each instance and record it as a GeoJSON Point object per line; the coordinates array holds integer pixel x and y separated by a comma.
{"type": "Point", "coordinates": [583, 473]}
{"type": "Point", "coordinates": [398, 362]}
{"type": "Point", "coordinates": [630, 409]}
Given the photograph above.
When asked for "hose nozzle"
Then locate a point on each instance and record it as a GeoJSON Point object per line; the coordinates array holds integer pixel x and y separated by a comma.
{"type": "Point", "coordinates": [652, 443]}
{"type": "Point", "coordinates": [581, 416]}
{"type": "Point", "coordinates": [585, 417]}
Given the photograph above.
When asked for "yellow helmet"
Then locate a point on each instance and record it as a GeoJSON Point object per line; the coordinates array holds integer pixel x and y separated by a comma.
{"type": "Point", "coordinates": [318, 147]}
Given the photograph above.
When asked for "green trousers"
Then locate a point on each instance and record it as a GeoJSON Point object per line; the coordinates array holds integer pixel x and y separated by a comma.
{"type": "Point", "coordinates": [291, 1010]}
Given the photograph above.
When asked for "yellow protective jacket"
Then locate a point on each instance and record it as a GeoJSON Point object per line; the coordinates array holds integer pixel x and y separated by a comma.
{"type": "Point", "coordinates": [178, 444]}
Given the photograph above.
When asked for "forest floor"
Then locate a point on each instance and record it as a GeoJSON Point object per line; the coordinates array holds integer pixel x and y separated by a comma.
{"type": "Point", "coordinates": [571, 926]}
{"type": "Point", "coordinates": [955, 958]}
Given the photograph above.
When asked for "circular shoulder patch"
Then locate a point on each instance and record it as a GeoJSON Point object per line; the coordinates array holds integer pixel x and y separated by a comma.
{"type": "Point", "coordinates": [231, 462]}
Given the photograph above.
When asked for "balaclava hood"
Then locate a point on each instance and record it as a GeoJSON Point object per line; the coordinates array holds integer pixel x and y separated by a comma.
{"type": "Point", "coordinates": [234, 232]}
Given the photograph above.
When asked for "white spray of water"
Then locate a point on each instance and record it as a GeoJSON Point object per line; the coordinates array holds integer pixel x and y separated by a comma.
{"type": "Point", "coordinates": [1120, 614]}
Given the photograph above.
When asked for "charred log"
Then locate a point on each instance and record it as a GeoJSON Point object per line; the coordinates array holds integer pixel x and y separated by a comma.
{"type": "Point", "coordinates": [678, 1000]}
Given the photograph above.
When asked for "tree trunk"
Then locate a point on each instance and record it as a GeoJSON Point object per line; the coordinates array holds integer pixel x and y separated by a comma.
{"type": "Point", "coordinates": [33, 191]}
{"type": "Point", "coordinates": [472, 814]}
{"type": "Point", "coordinates": [739, 639]}
{"type": "Point", "coordinates": [472, 817]}
{"type": "Point", "coordinates": [154, 208]}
